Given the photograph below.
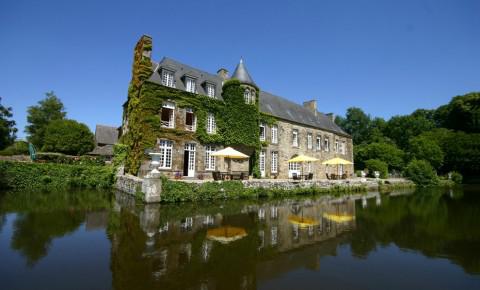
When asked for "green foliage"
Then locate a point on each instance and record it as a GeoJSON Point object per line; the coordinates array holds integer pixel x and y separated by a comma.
{"type": "Point", "coordinates": [422, 147]}
{"type": "Point", "coordinates": [462, 113]}
{"type": "Point", "coordinates": [456, 177]}
{"type": "Point", "coordinates": [385, 152]}
{"type": "Point", "coordinates": [47, 110]}
{"type": "Point", "coordinates": [120, 152]}
{"type": "Point", "coordinates": [68, 136]}
{"type": "Point", "coordinates": [401, 128]}
{"type": "Point", "coordinates": [68, 159]}
{"type": "Point", "coordinates": [7, 127]}
{"type": "Point", "coordinates": [34, 176]}
{"type": "Point", "coordinates": [421, 172]}
{"type": "Point", "coordinates": [17, 148]}
{"type": "Point", "coordinates": [377, 165]}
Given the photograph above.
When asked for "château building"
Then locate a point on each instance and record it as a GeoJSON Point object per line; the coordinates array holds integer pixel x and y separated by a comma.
{"type": "Point", "coordinates": [178, 115]}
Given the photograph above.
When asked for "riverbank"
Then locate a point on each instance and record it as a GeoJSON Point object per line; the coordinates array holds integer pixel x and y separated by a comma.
{"type": "Point", "coordinates": [167, 190]}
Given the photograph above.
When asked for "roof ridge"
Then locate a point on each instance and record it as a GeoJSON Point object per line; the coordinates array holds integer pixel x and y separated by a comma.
{"type": "Point", "coordinates": [188, 66]}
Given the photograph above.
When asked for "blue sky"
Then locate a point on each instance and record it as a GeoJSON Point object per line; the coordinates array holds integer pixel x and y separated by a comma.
{"type": "Point", "coordinates": [387, 57]}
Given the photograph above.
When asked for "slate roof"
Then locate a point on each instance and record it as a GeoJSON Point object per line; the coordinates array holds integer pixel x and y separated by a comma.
{"type": "Point", "coordinates": [269, 103]}
{"type": "Point", "coordinates": [242, 74]}
{"type": "Point", "coordinates": [106, 135]}
{"type": "Point", "coordinates": [106, 150]}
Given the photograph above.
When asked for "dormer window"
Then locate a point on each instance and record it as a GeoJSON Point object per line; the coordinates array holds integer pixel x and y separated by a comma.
{"type": "Point", "coordinates": [167, 78]}
{"type": "Point", "coordinates": [210, 88]}
{"type": "Point", "coordinates": [190, 85]}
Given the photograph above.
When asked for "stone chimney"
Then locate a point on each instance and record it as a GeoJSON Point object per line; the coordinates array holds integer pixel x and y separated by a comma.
{"type": "Point", "coordinates": [311, 106]}
{"type": "Point", "coordinates": [223, 73]}
{"type": "Point", "coordinates": [331, 116]}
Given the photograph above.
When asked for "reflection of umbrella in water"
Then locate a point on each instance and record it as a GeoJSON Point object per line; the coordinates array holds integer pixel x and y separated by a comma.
{"type": "Point", "coordinates": [226, 234]}
{"type": "Point", "coordinates": [302, 222]}
{"type": "Point", "coordinates": [339, 218]}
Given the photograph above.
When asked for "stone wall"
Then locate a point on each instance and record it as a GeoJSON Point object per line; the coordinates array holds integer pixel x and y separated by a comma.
{"type": "Point", "coordinates": [129, 183]}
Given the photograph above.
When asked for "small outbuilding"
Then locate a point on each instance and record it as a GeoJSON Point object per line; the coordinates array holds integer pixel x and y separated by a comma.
{"type": "Point", "coordinates": [105, 138]}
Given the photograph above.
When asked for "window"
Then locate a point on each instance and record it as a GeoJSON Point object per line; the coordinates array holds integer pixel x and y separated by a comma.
{"type": "Point", "coordinates": [261, 162]}
{"type": "Point", "coordinates": [209, 159]}
{"type": "Point", "coordinates": [165, 154]}
{"type": "Point", "coordinates": [167, 78]}
{"type": "Point", "coordinates": [262, 132]}
{"type": "Point", "coordinates": [274, 131]}
{"type": "Point", "coordinates": [249, 96]}
{"type": "Point", "coordinates": [309, 167]}
{"type": "Point", "coordinates": [336, 146]}
{"type": "Point", "coordinates": [210, 88]}
{"type": "Point", "coordinates": [295, 138]}
{"type": "Point", "coordinates": [319, 143]}
{"type": "Point", "coordinates": [168, 115]}
{"type": "Point", "coordinates": [211, 125]}
{"type": "Point", "coordinates": [343, 148]}
{"type": "Point", "coordinates": [274, 164]}
{"type": "Point", "coordinates": [326, 144]}
{"type": "Point", "coordinates": [190, 120]}
{"type": "Point", "coordinates": [191, 85]}
{"type": "Point", "coordinates": [294, 166]}
{"type": "Point", "coordinates": [309, 141]}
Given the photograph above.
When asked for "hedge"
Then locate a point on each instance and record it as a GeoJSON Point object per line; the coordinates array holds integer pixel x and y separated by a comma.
{"type": "Point", "coordinates": [33, 176]}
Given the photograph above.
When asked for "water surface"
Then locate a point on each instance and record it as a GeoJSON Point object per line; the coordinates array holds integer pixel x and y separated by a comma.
{"type": "Point", "coordinates": [428, 239]}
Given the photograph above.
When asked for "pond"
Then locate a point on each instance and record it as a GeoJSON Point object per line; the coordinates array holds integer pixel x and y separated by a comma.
{"type": "Point", "coordinates": [427, 239]}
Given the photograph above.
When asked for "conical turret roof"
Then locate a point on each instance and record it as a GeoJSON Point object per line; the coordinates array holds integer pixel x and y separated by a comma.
{"type": "Point", "coordinates": [242, 74]}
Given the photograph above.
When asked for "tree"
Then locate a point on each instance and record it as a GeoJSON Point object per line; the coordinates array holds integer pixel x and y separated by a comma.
{"type": "Point", "coordinates": [422, 147]}
{"type": "Point", "coordinates": [356, 123]}
{"type": "Point", "coordinates": [49, 109]}
{"type": "Point", "coordinates": [421, 172]}
{"type": "Point", "coordinates": [7, 126]}
{"type": "Point", "coordinates": [388, 153]}
{"type": "Point", "coordinates": [377, 165]}
{"type": "Point", "coordinates": [401, 128]}
{"type": "Point", "coordinates": [462, 113]}
{"type": "Point", "coordinates": [69, 137]}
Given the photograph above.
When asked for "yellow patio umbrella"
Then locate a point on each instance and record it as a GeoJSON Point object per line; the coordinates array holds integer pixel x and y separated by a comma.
{"type": "Point", "coordinates": [302, 222]}
{"type": "Point", "coordinates": [229, 153]}
{"type": "Point", "coordinates": [337, 161]}
{"type": "Point", "coordinates": [339, 218]}
{"type": "Point", "coordinates": [226, 234]}
{"type": "Point", "coordinates": [302, 159]}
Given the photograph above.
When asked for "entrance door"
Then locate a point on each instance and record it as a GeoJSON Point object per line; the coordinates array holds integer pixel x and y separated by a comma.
{"type": "Point", "coordinates": [189, 160]}
{"type": "Point", "coordinates": [262, 163]}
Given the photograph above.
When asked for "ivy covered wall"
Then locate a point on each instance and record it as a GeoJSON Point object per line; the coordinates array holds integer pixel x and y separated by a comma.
{"type": "Point", "coordinates": [237, 122]}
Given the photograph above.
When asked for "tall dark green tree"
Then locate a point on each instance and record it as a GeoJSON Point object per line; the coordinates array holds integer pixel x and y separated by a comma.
{"type": "Point", "coordinates": [7, 126]}
{"type": "Point", "coordinates": [49, 109]}
{"type": "Point", "coordinates": [401, 128]}
{"type": "Point", "coordinates": [356, 123]}
{"type": "Point", "coordinates": [461, 114]}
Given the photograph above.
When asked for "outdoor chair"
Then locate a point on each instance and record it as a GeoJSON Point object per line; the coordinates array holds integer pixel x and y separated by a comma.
{"type": "Point", "coordinates": [310, 176]}
{"type": "Point", "coordinates": [295, 176]}
{"type": "Point", "coordinates": [216, 175]}
{"type": "Point", "coordinates": [328, 176]}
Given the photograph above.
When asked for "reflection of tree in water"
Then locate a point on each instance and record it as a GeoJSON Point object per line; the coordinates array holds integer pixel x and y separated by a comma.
{"type": "Point", "coordinates": [428, 221]}
{"type": "Point", "coordinates": [33, 232]}
{"type": "Point", "coordinates": [43, 216]}
{"type": "Point", "coordinates": [3, 220]}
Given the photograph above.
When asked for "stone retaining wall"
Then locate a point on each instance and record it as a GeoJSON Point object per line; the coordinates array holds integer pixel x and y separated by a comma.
{"type": "Point", "coordinates": [129, 183]}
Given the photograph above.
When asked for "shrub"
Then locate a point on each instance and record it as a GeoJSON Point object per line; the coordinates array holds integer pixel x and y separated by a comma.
{"type": "Point", "coordinates": [23, 175]}
{"type": "Point", "coordinates": [421, 172]}
{"type": "Point", "coordinates": [68, 159]}
{"type": "Point", "coordinates": [17, 148]}
{"type": "Point", "coordinates": [120, 152]}
{"type": "Point", "coordinates": [68, 136]}
{"type": "Point", "coordinates": [377, 165]}
{"type": "Point", "coordinates": [456, 177]}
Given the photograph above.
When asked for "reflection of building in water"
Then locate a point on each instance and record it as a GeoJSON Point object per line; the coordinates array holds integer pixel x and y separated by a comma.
{"type": "Point", "coordinates": [96, 220]}
{"type": "Point", "coordinates": [171, 249]}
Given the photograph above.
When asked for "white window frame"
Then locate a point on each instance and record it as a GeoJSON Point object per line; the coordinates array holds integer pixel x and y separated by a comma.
{"type": "Point", "coordinates": [263, 133]}
{"type": "Point", "coordinates": [209, 160]}
{"type": "Point", "coordinates": [343, 148]}
{"type": "Point", "coordinates": [246, 96]}
{"type": "Point", "coordinates": [295, 138]}
{"type": "Point", "coordinates": [274, 163]}
{"type": "Point", "coordinates": [171, 122]}
{"type": "Point", "coordinates": [192, 127]}
{"type": "Point", "coordinates": [274, 132]}
{"type": "Point", "coordinates": [309, 141]}
{"type": "Point", "coordinates": [211, 124]}
{"type": "Point", "coordinates": [166, 154]}
{"type": "Point", "coordinates": [319, 143]}
{"type": "Point", "coordinates": [326, 144]}
{"type": "Point", "coordinates": [190, 85]}
{"type": "Point", "coordinates": [210, 88]}
{"type": "Point", "coordinates": [262, 162]}
{"type": "Point", "coordinates": [168, 78]}
{"type": "Point", "coordinates": [336, 146]}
